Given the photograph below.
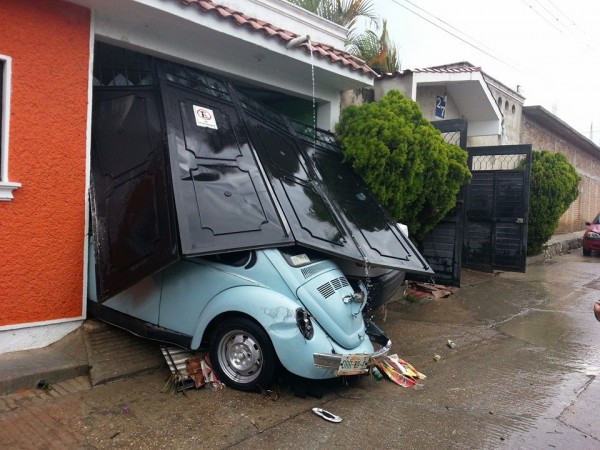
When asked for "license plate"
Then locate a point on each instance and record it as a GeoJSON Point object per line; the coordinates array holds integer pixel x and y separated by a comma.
{"type": "Point", "coordinates": [353, 364]}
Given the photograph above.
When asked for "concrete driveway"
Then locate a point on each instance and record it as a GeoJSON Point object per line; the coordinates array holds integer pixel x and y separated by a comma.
{"type": "Point", "coordinates": [523, 375]}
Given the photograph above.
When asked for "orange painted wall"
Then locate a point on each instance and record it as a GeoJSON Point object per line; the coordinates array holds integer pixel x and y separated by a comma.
{"type": "Point", "coordinates": [42, 229]}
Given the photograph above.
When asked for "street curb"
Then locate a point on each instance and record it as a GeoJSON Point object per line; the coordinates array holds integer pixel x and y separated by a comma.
{"type": "Point", "coordinates": [62, 360]}
{"type": "Point", "coordinates": [556, 249]}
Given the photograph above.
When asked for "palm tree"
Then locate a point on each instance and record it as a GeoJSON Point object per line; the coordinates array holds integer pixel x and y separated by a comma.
{"type": "Point", "coordinates": [379, 52]}
{"type": "Point", "coordinates": [343, 12]}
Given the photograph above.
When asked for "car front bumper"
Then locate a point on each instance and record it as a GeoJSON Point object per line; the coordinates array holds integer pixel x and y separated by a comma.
{"type": "Point", "coordinates": [591, 244]}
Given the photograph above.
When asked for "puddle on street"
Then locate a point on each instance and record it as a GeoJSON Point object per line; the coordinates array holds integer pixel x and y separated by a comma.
{"type": "Point", "coordinates": [543, 329]}
{"type": "Point", "coordinates": [546, 348]}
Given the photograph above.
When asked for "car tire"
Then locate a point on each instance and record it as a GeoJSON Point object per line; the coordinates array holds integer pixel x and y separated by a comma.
{"type": "Point", "coordinates": [242, 354]}
{"type": "Point", "coordinates": [587, 252]}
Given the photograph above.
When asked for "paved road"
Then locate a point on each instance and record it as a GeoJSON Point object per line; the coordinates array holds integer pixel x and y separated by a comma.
{"type": "Point", "coordinates": [523, 375]}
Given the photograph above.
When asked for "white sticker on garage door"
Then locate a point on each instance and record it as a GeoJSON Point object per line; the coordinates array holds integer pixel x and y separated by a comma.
{"type": "Point", "coordinates": [205, 117]}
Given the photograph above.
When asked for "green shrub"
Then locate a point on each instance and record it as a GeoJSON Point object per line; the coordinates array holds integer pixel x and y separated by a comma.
{"type": "Point", "coordinates": [554, 185]}
{"type": "Point", "coordinates": [404, 160]}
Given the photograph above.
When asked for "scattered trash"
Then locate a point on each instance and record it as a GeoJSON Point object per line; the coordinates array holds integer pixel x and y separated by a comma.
{"type": "Point", "coordinates": [271, 394]}
{"type": "Point", "coordinates": [597, 310]}
{"type": "Point", "coordinates": [210, 378]}
{"type": "Point", "coordinates": [189, 370]}
{"type": "Point", "coordinates": [416, 289]}
{"type": "Point", "coordinates": [327, 415]}
{"type": "Point", "coordinates": [451, 343]}
{"type": "Point", "coordinates": [436, 358]}
{"type": "Point", "coordinates": [127, 409]}
{"type": "Point", "coordinates": [376, 374]}
{"type": "Point", "coordinates": [399, 371]}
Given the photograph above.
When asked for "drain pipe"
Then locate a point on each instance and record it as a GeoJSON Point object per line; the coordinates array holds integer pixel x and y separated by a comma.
{"type": "Point", "coordinates": [297, 41]}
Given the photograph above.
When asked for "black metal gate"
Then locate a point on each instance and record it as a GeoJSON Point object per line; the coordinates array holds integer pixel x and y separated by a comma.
{"type": "Point", "coordinates": [497, 208]}
{"type": "Point", "coordinates": [487, 230]}
{"type": "Point", "coordinates": [442, 246]}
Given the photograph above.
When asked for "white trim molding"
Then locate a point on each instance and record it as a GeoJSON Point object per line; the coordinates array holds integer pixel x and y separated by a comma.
{"type": "Point", "coordinates": [6, 187]}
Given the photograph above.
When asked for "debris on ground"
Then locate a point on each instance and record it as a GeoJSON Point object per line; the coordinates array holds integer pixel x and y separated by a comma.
{"type": "Point", "coordinates": [436, 358]}
{"type": "Point", "coordinates": [327, 415]}
{"type": "Point", "coordinates": [376, 374]}
{"type": "Point", "coordinates": [451, 343]}
{"type": "Point", "coordinates": [420, 290]}
{"type": "Point", "coordinates": [189, 370]}
{"type": "Point", "coordinates": [399, 371]}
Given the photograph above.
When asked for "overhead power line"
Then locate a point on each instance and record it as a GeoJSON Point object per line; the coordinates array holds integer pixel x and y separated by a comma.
{"type": "Point", "coordinates": [541, 16]}
{"type": "Point", "coordinates": [470, 41]}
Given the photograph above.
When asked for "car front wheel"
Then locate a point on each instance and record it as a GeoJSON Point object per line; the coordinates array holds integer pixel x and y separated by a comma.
{"type": "Point", "coordinates": [242, 354]}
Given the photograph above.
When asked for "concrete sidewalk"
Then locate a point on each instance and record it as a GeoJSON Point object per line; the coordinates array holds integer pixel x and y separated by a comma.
{"type": "Point", "coordinates": [100, 351]}
{"type": "Point", "coordinates": [94, 347]}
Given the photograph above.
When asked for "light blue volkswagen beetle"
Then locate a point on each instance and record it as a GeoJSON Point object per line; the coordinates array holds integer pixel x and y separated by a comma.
{"type": "Point", "coordinates": [254, 310]}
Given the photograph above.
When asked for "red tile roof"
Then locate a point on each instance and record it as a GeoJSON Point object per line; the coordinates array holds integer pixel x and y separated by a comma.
{"type": "Point", "coordinates": [459, 67]}
{"type": "Point", "coordinates": [284, 36]}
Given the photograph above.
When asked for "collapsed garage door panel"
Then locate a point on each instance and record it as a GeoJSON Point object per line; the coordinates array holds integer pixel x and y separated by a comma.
{"type": "Point", "coordinates": [222, 200]}
{"type": "Point", "coordinates": [133, 220]}
{"type": "Point", "coordinates": [370, 225]}
{"type": "Point", "coordinates": [311, 216]}
{"type": "Point", "coordinates": [328, 206]}
{"type": "Point", "coordinates": [189, 166]}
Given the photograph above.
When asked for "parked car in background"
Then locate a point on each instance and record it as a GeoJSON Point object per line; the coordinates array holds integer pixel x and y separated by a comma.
{"type": "Point", "coordinates": [591, 237]}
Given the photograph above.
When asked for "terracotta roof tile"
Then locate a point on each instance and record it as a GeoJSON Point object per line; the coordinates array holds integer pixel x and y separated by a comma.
{"type": "Point", "coordinates": [284, 36]}
{"type": "Point", "coordinates": [460, 67]}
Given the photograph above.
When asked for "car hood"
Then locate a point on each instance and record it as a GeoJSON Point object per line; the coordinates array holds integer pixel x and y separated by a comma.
{"type": "Point", "coordinates": [593, 227]}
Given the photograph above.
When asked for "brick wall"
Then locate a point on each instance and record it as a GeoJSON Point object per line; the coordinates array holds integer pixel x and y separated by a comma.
{"type": "Point", "coordinates": [585, 160]}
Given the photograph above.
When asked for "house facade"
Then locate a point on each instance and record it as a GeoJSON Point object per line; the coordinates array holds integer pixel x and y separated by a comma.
{"type": "Point", "coordinates": [45, 51]}
{"type": "Point", "coordinates": [278, 53]}
{"type": "Point", "coordinates": [495, 115]}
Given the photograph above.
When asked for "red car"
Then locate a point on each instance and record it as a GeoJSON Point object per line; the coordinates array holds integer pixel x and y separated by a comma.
{"type": "Point", "coordinates": [591, 237]}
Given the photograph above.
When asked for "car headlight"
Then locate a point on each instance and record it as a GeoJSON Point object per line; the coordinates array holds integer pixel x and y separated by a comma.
{"type": "Point", "coordinates": [592, 235]}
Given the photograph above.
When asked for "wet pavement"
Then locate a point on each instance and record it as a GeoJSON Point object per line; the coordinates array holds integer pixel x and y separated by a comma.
{"type": "Point", "coordinates": [523, 375]}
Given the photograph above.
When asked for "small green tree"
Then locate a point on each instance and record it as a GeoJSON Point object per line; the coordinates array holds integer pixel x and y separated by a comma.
{"type": "Point", "coordinates": [404, 160]}
{"type": "Point", "coordinates": [554, 185]}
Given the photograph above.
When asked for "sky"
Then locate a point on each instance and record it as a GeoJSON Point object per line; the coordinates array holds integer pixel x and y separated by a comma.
{"type": "Point", "coordinates": [550, 48]}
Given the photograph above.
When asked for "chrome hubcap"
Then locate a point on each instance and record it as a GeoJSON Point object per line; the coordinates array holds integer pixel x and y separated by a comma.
{"type": "Point", "coordinates": [240, 356]}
